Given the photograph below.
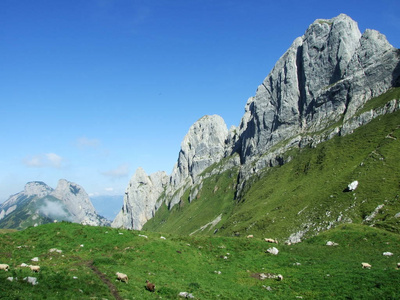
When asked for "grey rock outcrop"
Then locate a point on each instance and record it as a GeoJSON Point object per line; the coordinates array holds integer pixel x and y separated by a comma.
{"type": "Point", "coordinates": [77, 202]}
{"type": "Point", "coordinates": [315, 91]}
{"type": "Point", "coordinates": [203, 145]}
{"type": "Point", "coordinates": [140, 199]}
{"type": "Point", "coordinates": [326, 75]}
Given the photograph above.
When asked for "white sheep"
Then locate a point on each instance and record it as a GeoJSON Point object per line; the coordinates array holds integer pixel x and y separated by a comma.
{"type": "Point", "coordinates": [271, 241]}
{"type": "Point", "coordinates": [366, 265]}
{"type": "Point", "coordinates": [4, 267]}
{"type": "Point", "coordinates": [122, 277]}
{"type": "Point", "coordinates": [250, 236]}
{"type": "Point", "coordinates": [34, 268]}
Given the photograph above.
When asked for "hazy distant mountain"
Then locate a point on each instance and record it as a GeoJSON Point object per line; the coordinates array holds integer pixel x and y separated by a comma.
{"type": "Point", "coordinates": [107, 206]}
{"type": "Point", "coordinates": [39, 204]}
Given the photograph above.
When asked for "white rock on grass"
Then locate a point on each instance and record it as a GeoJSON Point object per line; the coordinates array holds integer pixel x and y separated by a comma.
{"type": "Point", "coordinates": [186, 295]}
{"type": "Point", "coordinates": [273, 251]}
{"type": "Point", "coordinates": [330, 243]}
{"type": "Point", "coordinates": [31, 280]}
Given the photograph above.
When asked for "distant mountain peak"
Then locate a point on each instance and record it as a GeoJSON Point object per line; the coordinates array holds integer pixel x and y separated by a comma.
{"type": "Point", "coordinates": [39, 204]}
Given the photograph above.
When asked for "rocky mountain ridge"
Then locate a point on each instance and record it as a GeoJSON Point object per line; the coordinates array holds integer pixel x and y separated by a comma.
{"type": "Point", "coordinates": [316, 91]}
{"type": "Point", "coordinates": [38, 203]}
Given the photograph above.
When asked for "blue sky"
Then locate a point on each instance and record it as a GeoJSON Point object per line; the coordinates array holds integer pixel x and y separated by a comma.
{"type": "Point", "coordinates": [91, 90]}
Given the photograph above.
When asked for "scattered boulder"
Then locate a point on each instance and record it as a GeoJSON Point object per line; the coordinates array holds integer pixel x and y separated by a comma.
{"type": "Point", "coordinates": [273, 251]}
{"type": "Point", "coordinates": [31, 280]}
{"type": "Point", "coordinates": [186, 295]}
{"type": "Point", "coordinates": [263, 276]}
{"type": "Point", "coordinates": [330, 243]}
{"type": "Point", "coordinates": [352, 186]}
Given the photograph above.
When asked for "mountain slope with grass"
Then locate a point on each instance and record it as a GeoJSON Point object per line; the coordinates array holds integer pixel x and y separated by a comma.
{"type": "Point", "coordinates": [305, 196]}
{"type": "Point", "coordinates": [80, 262]}
{"type": "Point", "coordinates": [297, 148]}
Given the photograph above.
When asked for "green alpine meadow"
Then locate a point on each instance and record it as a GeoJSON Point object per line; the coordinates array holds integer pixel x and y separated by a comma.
{"type": "Point", "coordinates": [203, 266]}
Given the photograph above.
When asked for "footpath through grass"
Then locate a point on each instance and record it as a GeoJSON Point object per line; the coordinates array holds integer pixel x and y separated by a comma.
{"type": "Point", "coordinates": [207, 267]}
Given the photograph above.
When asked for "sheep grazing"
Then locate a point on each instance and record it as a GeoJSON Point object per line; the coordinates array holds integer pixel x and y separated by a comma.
{"type": "Point", "coordinates": [4, 267]}
{"type": "Point", "coordinates": [263, 276]}
{"type": "Point", "coordinates": [271, 241]}
{"type": "Point", "coordinates": [122, 277]}
{"type": "Point", "coordinates": [150, 286]}
{"type": "Point", "coordinates": [366, 265]}
{"type": "Point", "coordinates": [250, 236]}
{"type": "Point", "coordinates": [34, 268]}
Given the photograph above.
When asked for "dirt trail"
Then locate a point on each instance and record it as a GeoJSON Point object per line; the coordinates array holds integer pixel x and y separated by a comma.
{"type": "Point", "coordinates": [105, 280]}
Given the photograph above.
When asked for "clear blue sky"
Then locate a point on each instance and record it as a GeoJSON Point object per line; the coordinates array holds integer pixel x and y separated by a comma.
{"type": "Point", "coordinates": [91, 90]}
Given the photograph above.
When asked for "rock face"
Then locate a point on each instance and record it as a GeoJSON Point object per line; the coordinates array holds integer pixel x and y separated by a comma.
{"type": "Point", "coordinates": [77, 202]}
{"type": "Point", "coordinates": [326, 75]}
{"type": "Point", "coordinates": [202, 146]}
{"type": "Point", "coordinates": [39, 204]}
{"type": "Point", "coordinates": [140, 199]}
{"type": "Point", "coordinates": [318, 85]}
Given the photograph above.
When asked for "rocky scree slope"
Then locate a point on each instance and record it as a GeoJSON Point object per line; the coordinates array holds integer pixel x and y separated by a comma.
{"type": "Point", "coordinates": [316, 91]}
{"type": "Point", "coordinates": [39, 204]}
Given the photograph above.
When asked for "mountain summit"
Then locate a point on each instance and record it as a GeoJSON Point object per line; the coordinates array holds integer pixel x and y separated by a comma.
{"type": "Point", "coordinates": [39, 204]}
{"type": "Point", "coordinates": [317, 90]}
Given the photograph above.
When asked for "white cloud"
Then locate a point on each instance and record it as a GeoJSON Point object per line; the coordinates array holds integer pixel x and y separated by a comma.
{"type": "Point", "coordinates": [51, 160]}
{"type": "Point", "coordinates": [118, 172]}
{"type": "Point", "coordinates": [53, 210]}
{"type": "Point", "coordinates": [109, 189]}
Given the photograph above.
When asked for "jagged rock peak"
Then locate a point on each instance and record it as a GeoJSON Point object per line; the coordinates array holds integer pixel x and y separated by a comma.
{"type": "Point", "coordinates": [75, 197]}
{"type": "Point", "coordinates": [38, 188]}
{"type": "Point", "coordinates": [140, 199]}
{"type": "Point", "coordinates": [326, 74]}
{"type": "Point", "coordinates": [39, 204]}
{"type": "Point", "coordinates": [203, 145]}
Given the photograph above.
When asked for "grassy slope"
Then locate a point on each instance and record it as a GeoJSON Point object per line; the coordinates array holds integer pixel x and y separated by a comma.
{"type": "Point", "coordinates": [215, 198]}
{"type": "Point", "coordinates": [308, 192]}
{"type": "Point", "coordinates": [306, 195]}
{"type": "Point", "coordinates": [310, 269]}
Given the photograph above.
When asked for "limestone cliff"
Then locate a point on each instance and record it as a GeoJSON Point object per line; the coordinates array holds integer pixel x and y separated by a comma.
{"type": "Point", "coordinates": [202, 146]}
{"type": "Point", "coordinates": [314, 92]}
{"type": "Point", "coordinates": [326, 75]}
{"type": "Point", "coordinates": [140, 199]}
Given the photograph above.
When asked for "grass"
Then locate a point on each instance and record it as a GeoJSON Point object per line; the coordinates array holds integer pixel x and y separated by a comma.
{"type": "Point", "coordinates": [376, 102]}
{"type": "Point", "coordinates": [214, 197]}
{"type": "Point", "coordinates": [304, 196]}
{"type": "Point", "coordinates": [307, 194]}
{"type": "Point", "coordinates": [310, 269]}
